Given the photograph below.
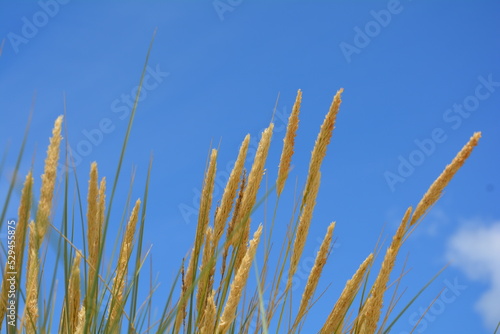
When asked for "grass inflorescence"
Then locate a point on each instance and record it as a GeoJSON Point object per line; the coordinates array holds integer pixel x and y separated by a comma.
{"type": "Point", "coordinates": [212, 292]}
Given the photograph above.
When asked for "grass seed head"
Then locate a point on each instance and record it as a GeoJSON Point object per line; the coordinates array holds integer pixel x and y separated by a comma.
{"type": "Point", "coordinates": [436, 189]}
{"type": "Point", "coordinates": [48, 182]}
{"type": "Point", "coordinates": [339, 312]}
{"type": "Point", "coordinates": [238, 284]}
{"type": "Point", "coordinates": [288, 144]}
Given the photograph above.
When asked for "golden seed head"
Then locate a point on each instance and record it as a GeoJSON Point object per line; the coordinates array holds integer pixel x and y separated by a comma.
{"type": "Point", "coordinates": [238, 284]}
{"type": "Point", "coordinates": [436, 189]}
{"type": "Point", "coordinates": [335, 319]}
{"type": "Point", "coordinates": [315, 274]}
{"type": "Point", "coordinates": [288, 144]}
{"type": "Point", "coordinates": [48, 182]}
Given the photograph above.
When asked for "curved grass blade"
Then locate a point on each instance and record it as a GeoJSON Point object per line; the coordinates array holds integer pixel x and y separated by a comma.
{"type": "Point", "coordinates": [120, 162]}
{"type": "Point", "coordinates": [387, 330]}
{"type": "Point", "coordinates": [18, 162]}
{"type": "Point", "coordinates": [135, 281]}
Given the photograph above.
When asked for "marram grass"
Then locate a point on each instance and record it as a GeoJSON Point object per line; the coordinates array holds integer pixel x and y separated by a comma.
{"type": "Point", "coordinates": [213, 293]}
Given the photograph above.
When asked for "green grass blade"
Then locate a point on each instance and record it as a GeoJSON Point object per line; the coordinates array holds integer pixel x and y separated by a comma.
{"type": "Point", "coordinates": [18, 163]}
{"type": "Point", "coordinates": [135, 282]}
{"type": "Point", "coordinates": [262, 308]}
{"type": "Point", "coordinates": [129, 130]}
{"type": "Point", "coordinates": [4, 158]}
{"type": "Point", "coordinates": [120, 162]}
{"type": "Point", "coordinates": [413, 300]}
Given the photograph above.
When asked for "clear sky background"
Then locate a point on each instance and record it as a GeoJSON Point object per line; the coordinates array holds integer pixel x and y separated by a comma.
{"type": "Point", "coordinates": [420, 77]}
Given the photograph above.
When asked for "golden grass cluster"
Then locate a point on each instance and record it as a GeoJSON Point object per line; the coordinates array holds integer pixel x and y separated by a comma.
{"type": "Point", "coordinates": [207, 300]}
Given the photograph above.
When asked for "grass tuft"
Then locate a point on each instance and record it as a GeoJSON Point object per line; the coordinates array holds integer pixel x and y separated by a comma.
{"type": "Point", "coordinates": [213, 292]}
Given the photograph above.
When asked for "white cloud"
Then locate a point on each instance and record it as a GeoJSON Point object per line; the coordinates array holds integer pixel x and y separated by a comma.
{"type": "Point", "coordinates": [475, 249]}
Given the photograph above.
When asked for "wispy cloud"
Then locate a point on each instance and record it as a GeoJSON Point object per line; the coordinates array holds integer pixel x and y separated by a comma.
{"type": "Point", "coordinates": [475, 249]}
{"type": "Point", "coordinates": [434, 224]}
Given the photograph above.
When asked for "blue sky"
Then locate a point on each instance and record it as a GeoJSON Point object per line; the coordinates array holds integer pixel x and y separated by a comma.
{"type": "Point", "coordinates": [420, 78]}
